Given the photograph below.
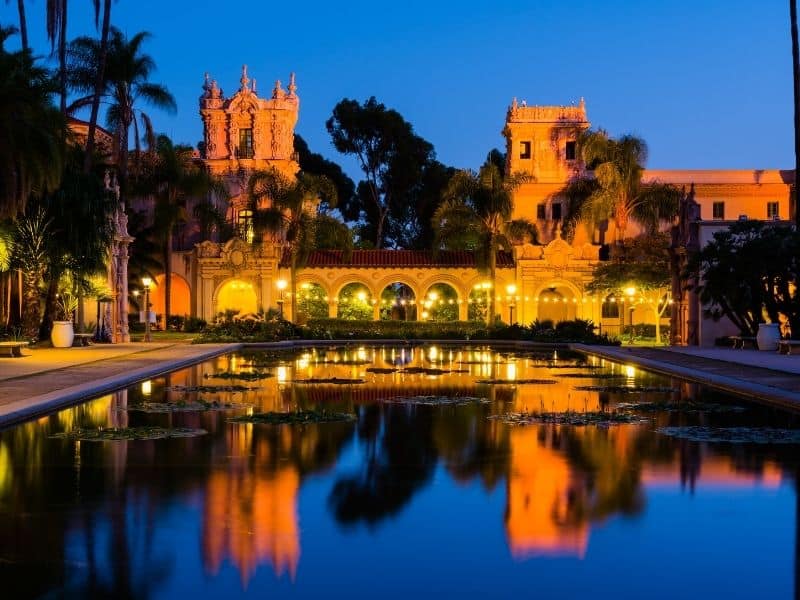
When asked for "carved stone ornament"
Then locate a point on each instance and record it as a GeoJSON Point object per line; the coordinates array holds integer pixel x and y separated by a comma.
{"type": "Point", "coordinates": [208, 249]}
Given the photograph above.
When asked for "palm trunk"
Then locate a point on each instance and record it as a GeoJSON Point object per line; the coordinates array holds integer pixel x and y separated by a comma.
{"type": "Point", "coordinates": [98, 88]}
{"type": "Point", "coordinates": [62, 58]}
{"type": "Point", "coordinates": [293, 277]}
{"type": "Point", "coordinates": [49, 309]}
{"type": "Point", "coordinates": [493, 278]}
{"type": "Point", "coordinates": [23, 24]}
{"type": "Point", "coordinates": [796, 88]}
{"type": "Point", "coordinates": [167, 280]}
{"type": "Point", "coordinates": [31, 315]}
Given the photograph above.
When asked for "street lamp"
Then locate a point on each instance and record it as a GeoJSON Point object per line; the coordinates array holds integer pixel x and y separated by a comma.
{"type": "Point", "coordinates": [146, 283]}
{"type": "Point", "coordinates": [281, 283]}
{"type": "Point", "coordinates": [511, 289]}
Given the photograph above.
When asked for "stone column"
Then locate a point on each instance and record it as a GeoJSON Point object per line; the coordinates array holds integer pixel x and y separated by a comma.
{"type": "Point", "coordinates": [333, 308]}
{"type": "Point", "coordinates": [463, 311]}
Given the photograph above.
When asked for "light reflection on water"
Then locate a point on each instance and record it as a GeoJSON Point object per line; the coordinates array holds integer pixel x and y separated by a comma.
{"type": "Point", "coordinates": [267, 508]}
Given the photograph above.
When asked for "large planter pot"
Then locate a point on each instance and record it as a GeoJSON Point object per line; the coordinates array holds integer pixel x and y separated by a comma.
{"type": "Point", "coordinates": [62, 335]}
{"type": "Point", "coordinates": [768, 336]}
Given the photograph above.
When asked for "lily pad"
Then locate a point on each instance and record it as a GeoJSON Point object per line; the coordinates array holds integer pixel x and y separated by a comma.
{"type": "Point", "coordinates": [435, 400]}
{"type": "Point", "coordinates": [333, 380]}
{"type": "Point", "coordinates": [431, 371]}
{"type": "Point", "coordinates": [301, 417]}
{"type": "Point", "coordinates": [578, 419]}
{"type": "Point", "coordinates": [172, 407]}
{"type": "Point", "coordinates": [625, 389]}
{"type": "Point", "coordinates": [592, 367]}
{"type": "Point", "coordinates": [591, 375]}
{"type": "Point", "coordinates": [243, 375]}
{"type": "Point", "coordinates": [733, 435]}
{"type": "Point", "coordinates": [688, 406]}
{"type": "Point", "coordinates": [381, 370]}
{"type": "Point", "coordinates": [516, 381]}
{"type": "Point", "coordinates": [207, 388]}
{"type": "Point", "coordinates": [120, 434]}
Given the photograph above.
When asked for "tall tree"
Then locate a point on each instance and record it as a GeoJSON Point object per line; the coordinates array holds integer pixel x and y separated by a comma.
{"type": "Point", "coordinates": [796, 90]}
{"type": "Point", "coordinates": [617, 166]}
{"type": "Point", "coordinates": [171, 177]}
{"type": "Point", "coordinates": [23, 23]}
{"type": "Point", "coordinates": [476, 215]}
{"type": "Point", "coordinates": [31, 152]}
{"type": "Point", "coordinates": [314, 163]}
{"type": "Point", "coordinates": [126, 84]}
{"type": "Point", "coordinates": [389, 153]}
{"type": "Point", "coordinates": [641, 263]}
{"type": "Point", "coordinates": [287, 210]}
{"type": "Point", "coordinates": [99, 78]}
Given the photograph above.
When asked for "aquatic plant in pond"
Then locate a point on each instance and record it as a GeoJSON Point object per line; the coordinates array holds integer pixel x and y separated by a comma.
{"type": "Point", "coordinates": [626, 389]}
{"type": "Point", "coordinates": [578, 419]}
{"type": "Point", "coordinates": [120, 434]}
{"type": "Point", "coordinates": [733, 435]}
{"type": "Point", "coordinates": [207, 388]}
{"type": "Point", "coordinates": [332, 380]}
{"type": "Point", "coordinates": [300, 417]}
{"type": "Point", "coordinates": [688, 406]}
{"type": "Point", "coordinates": [435, 400]}
{"type": "Point", "coordinates": [243, 375]}
{"type": "Point", "coordinates": [182, 406]}
{"type": "Point", "coordinates": [516, 381]}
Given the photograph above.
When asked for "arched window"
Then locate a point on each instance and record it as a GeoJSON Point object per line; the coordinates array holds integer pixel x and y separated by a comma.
{"type": "Point", "coordinates": [244, 225]}
{"type": "Point", "coordinates": [610, 308]}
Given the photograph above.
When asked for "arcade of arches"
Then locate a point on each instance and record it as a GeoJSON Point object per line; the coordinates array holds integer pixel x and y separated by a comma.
{"type": "Point", "coordinates": [533, 282]}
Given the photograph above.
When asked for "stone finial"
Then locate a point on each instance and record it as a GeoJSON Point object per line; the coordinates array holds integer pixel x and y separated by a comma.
{"type": "Point", "coordinates": [582, 104]}
{"type": "Point", "coordinates": [514, 104]}
{"type": "Point", "coordinates": [205, 82]}
{"type": "Point", "coordinates": [558, 230]}
{"type": "Point", "coordinates": [254, 85]}
{"type": "Point", "coordinates": [244, 80]}
{"type": "Point", "coordinates": [292, 85]}
{"type": "Point", "coordinates": [277, 91]}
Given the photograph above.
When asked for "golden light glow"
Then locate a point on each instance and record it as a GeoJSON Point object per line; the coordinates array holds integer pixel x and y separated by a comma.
{"type": "Point", "coordinates": [630, 291]}
{"type": "Point", "coordinates": [147, 387]}
{"type": "Point", "coordinates": [511, 289]}
{"type": "Point", "coordinates": [281, 284]}
{"type": "Point", "coordinates": [147, 282]}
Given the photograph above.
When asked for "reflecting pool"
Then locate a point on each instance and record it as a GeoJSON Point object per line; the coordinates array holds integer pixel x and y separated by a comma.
{"type": "Point", "coordinates": [426, 490]}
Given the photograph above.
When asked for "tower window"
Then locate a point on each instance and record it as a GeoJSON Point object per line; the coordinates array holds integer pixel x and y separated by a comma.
{"type": "Point", "coordinates": [570, 150]}
{"type": "Point", "coordinates": [773, 210]}
{"type": "Point", "coordinates": [718, 211]}
{"type": "Point", "coordinates": [244, 225]}
{"type": "Point", "coordinates": [541, 212]}
{"type": "Point", "coordinates": [524, 149]}
{"type": "Point", "coordinates": [245, 143]}
{"type": "Point", "coordinates": [556, 211]}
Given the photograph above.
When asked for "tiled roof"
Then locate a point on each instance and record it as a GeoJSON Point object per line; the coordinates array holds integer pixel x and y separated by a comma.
{"type": "Point", "coordinates": [399, 259]}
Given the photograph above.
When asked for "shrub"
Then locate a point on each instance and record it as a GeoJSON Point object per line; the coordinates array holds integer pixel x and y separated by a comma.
{"type": "Point", "coordinates": [175, 323]}
{"type": "Point", "coordinates": [194, 325]}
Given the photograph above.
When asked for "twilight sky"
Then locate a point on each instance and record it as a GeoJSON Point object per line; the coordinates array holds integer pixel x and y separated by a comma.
{"type": "Point", "coordinates": [707, 83]}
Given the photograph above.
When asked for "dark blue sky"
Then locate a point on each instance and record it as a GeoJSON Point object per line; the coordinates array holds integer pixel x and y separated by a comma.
{"type": "Point", "coordinates": [706, 83]}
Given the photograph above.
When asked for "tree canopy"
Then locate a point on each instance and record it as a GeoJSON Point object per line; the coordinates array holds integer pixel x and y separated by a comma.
{"type": "Point", "coordinates": [402, 180]}
{"type": "Point", "coordinates": [749, 273]}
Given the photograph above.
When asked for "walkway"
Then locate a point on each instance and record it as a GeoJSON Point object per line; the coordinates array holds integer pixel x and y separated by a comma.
{"type": "Point", "coordinates": [766, 377]}
{"type": "Point", "coordinates": [46, 379]}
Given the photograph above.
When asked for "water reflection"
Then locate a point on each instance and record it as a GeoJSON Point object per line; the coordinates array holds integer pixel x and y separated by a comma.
{"type": "Point", "coordinates": [126, 518]}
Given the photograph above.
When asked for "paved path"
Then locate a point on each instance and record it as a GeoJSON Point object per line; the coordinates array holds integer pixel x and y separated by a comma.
{"type": "Point", "coordinates": [47, 379]}
{"type": "Point", "coordinates": [766, 377]}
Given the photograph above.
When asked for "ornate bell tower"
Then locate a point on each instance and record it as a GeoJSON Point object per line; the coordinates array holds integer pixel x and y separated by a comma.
{"type": "Point", "coordinates": [245, 132]}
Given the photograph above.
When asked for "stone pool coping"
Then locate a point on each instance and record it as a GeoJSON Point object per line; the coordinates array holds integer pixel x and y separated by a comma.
{"type": "Point", "coordinates": [765, 377]}
{"type": "Point", "coordinates": [41, 392]}
{"type": "Point", "coordinates": [39, 389]}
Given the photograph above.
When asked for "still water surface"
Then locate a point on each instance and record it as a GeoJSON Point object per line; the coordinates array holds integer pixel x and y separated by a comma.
{"type": "Point", "coordinates": [407, 500]}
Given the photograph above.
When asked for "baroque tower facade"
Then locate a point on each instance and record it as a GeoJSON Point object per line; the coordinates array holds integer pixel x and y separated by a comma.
{"type": "Point", "coordinates": [541, 142]}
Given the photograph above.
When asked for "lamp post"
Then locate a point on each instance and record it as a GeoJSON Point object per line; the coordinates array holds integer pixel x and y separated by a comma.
{"type": "Point", "coordinates": [146, 283]}
{"type": "Point", "coordinates": [281, 283]}
{"type": "Point", "coordinates": [511, 289]}
{"type": "Point", "coordinates": [630, 292]}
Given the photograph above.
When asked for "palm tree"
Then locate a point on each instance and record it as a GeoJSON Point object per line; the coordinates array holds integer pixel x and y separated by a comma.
{"type": "Point", "coordinates": [98, 80]}
{"type": "Point", "coordinates": [56, 16]}
{"type": "Point", "coordinates": [291, 214]}
{"type": "Point", "coordinates": [31, 152]}
{"type": "Point", "coordinates": [125, 84]}
{"type": "Point", "coordinates": [796, 88]}
{"type": "Point", "coordinates": [23, 23]}
{"type": "Point", "coordinates": [476, 214]}
{"type": "Point", "coordinates": [172, 177]}
{"type": "Point", "coordinates": [30, 254]}
{"type": "Point", "coordinates": [618, 165]}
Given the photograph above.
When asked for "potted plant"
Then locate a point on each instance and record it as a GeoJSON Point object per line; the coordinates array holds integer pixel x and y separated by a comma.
{"type": "Point", "coordinates": [768, 336]}
{"type": "Point", "coordinates": [63, 333]}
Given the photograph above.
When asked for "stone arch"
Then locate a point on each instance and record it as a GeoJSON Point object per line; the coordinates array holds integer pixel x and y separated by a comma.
{"type": "Point", "coordinates": [301, 279]}
{"type": "Point", "coordinates": [406, 280]}
{"type": "Point", "coordinates": [389, 307]}
{"type": "Point", "coordinates": [453, 281]}
{"type": "Point", "coordinates": [557, 300]}
{"type": "Point", "coordinates": [236, 293]}
{"type": "Point", "coordinates": [348, 307]}
{"type": "Point", "coordinates": [181, 295]}
{"type": "Point", "coordinates": [442, 302]}
{"type": "Point", "coordinates": [337, 286]}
